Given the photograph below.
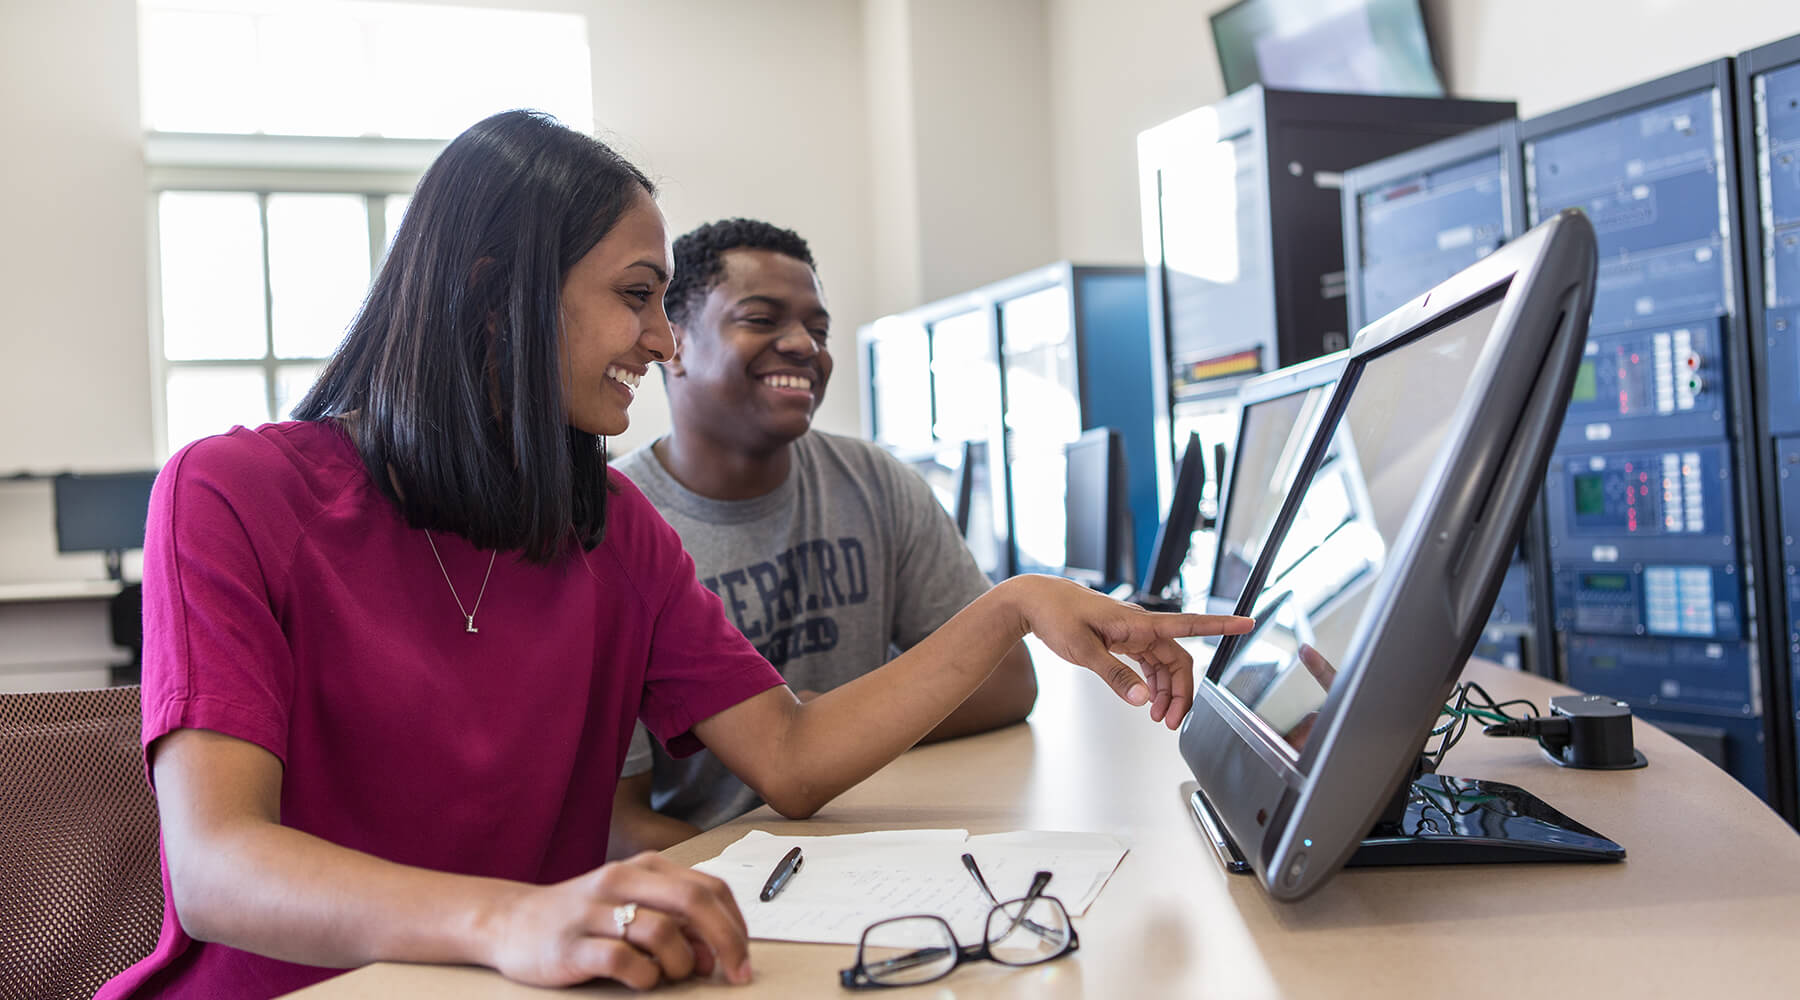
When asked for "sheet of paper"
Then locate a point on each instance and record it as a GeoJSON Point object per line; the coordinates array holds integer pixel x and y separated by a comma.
{"type": "Point", "coordinates": [850, 881]}
{"type": "Point", "coordinates": [1082, 863]}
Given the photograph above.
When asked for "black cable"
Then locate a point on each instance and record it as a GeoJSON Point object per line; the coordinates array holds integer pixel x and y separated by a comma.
{"type": "Point", "coordinates": [1464, 696]}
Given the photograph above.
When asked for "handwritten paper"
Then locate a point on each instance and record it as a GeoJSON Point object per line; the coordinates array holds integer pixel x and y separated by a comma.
{"type": "Point", "coordinates": [850, 881]}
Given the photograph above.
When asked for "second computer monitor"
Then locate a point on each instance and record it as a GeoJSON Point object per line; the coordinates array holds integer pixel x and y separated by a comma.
{"type": "Point", "coordinates": [1279, 411]}
{"type": "Point", "coordinates": [102, 513]}
{"type": "Point", "coordinates": [1097, 546]}
{"type": "Point", "coordinates": [1177, 530]}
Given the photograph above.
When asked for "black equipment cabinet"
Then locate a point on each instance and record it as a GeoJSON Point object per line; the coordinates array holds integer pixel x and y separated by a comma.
{"type": "Point", "coordinates": [1244, 242]}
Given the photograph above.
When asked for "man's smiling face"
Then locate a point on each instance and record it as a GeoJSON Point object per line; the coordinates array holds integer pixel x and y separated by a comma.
{"type": "Point", "coordinates": [753, 360]}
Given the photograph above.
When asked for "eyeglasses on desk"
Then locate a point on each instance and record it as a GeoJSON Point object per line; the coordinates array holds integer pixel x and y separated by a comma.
{"type": "Point", "coordinates": [921, 948]}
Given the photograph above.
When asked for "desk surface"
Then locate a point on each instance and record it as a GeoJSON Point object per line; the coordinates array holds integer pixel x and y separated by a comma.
{"type": "Point", "coordinates": [1707, 904]}
{"type": "Point", "coordinates": [59, 590]}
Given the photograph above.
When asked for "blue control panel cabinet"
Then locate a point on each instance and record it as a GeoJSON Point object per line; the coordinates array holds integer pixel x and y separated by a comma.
{"type": "Point", "coordinates": [1651, 384]}
{"type": "Point", "coordinates": [1020, 367]}
{"type": "Point", "coordinates": [1787, 453]}
{"type": "Point", "coordinates": [1768, 87]}
{"type": "Point", "coordinates": [1411, 221]}
{"type": "Point", "coordinates": [1419, 230]}
{"type": "Point", "coordinates": [1650, 499]}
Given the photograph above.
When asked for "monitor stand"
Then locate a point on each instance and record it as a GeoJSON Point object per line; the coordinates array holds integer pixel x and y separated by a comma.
{"type": "Point", "coordinates": [1435, 819]}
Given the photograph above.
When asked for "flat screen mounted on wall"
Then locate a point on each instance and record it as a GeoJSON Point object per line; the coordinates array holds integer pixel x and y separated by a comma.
{"type": "Point", "coordinates": [1346, 46]}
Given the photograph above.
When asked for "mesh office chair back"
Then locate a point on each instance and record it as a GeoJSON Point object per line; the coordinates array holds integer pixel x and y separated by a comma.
{"type": "Point", "coordinates": [82, 896]}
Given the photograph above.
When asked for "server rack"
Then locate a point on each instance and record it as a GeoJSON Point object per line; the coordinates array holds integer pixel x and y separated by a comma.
{"type": "Point", "coordinates": [1243, 238]}
{"type": "Point", "coordinates": [1768, 120]}
{"type": "Point", "coordinates": [1410, 221]}
{"type": "Point", "coordinates": [1022, 366]}
{"type": "Point", "coordinates": [1656, 554]}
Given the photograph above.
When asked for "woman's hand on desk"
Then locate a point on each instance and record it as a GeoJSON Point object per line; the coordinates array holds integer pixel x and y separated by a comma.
{"type": "Point", "coordinates": [1101, 634]}
{"type": "Point", "coordinates": [683, 924]}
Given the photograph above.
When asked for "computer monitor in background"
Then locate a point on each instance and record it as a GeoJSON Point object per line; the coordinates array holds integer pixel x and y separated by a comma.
{"type": "Point", "coordinates": [1176, 532]}
{"type": "Point", "coordinates": [1346, 46]}
{"type": "Point", "coordinates": [102, 513]}
{"type": "Point", "coordinates": [963, 486]}
{"type": "Point", "coordinates": [1307, 743]}
{"type": "Point", "coordinates": [1097, 549]}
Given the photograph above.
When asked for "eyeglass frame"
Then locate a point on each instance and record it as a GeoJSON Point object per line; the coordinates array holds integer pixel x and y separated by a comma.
{"type": "Point", "coordinates": [857, 976]}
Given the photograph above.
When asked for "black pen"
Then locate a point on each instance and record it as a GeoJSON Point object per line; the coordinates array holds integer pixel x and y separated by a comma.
{"type": "Point", "coordinates": [783, 873]}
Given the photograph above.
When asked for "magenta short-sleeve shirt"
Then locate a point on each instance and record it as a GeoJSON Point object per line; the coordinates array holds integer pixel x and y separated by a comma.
{"type": "Point", "coordinates": [286, 603]}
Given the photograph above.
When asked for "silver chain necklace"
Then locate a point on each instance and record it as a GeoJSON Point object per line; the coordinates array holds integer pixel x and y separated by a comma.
{"type": "Point", "coordinates": [467, 613]}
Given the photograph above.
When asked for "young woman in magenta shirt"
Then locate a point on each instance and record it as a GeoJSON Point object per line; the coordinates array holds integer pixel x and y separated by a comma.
{"type": "Point", "coordinates": [393, 649]}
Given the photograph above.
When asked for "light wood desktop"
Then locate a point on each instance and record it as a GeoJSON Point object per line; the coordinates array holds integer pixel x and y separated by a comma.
{"type": "Point", "coordinates": [1706, 904]}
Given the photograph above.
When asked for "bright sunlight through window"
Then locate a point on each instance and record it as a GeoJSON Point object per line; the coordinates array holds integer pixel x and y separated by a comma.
{"type": "Point", "coordinates": [264, 252]}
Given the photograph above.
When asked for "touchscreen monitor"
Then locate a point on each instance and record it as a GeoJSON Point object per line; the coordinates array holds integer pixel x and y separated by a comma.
{"type": "Point", "coordinates": [1372, 577]}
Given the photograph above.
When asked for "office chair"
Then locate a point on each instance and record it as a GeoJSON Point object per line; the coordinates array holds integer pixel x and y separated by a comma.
{"type": "Point", "coordinates": [82, 881]}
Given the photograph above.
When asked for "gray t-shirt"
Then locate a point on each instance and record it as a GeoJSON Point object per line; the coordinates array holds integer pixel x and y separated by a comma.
{"type": "Point", "coordinates": [847, 563]}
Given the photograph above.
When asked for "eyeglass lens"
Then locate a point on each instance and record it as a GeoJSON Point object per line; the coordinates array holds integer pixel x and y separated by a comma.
{"type": "Point", "coordinates": [1027, 931]}
{"type": "Point", "coordinates": [908, 950]}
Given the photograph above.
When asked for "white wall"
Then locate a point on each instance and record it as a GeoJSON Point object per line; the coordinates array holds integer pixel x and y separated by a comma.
{"type": "Point", "coordinates": [1121, 66]}
{"type": "Point", "coordinates": [748, 109]}
{"type": "Point", "coordinates": [923, 146]}
{"type": "Point", "coordinates": [1549, 54]}
{"type": "Point", "coordinates": [981, 113]}
{"type": "Point", "coordinates": [1116, 69]}
{"type": "Point", "coordinates": [75, 389]}
{"type": "Point", "coordinates": [75, 380]}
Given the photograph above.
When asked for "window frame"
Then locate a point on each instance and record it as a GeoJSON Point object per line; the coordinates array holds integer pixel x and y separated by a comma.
{"type": "Point", "coordinates": [373, 168]}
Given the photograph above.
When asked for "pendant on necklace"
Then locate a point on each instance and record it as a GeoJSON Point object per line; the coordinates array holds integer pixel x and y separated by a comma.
{"type": "Point", "coordinates": [471, 627]}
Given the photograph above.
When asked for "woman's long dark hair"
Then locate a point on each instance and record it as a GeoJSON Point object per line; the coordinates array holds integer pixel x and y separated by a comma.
{"type": "Point", "coordinates": [453, 367]}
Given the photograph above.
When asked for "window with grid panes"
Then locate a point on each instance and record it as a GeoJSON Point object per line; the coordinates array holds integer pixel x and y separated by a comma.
{"type": "Point", "coordinates": [283, 140]}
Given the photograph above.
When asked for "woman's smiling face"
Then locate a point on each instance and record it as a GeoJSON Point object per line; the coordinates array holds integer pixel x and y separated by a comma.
{"type": "Point", "coordinates": [614, 326]}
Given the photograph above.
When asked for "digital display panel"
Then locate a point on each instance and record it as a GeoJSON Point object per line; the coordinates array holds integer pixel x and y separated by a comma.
{"type": "Point", "coordinates": [1606, 582]}
{"type": "Point", "coordinates": [1590, 495]}
{"type": "Point", "coordinates": [1330, 558]}
{"type": "Point", "coordinates": [1587, 383]}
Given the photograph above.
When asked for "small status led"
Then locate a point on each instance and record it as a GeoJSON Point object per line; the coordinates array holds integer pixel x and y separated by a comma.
{"type": "Point", "coordinates": [1306, 843]}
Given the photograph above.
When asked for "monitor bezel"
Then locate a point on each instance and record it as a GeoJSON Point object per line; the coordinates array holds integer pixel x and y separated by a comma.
{"type": "Point", "coordinates": [1299, 820]}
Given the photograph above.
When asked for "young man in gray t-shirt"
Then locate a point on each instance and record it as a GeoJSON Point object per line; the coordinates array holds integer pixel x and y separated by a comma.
{"type": "Point", "coordinates": [829, 555]}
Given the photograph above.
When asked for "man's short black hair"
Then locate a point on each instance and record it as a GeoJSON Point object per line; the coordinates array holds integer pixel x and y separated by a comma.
{"type": "Point", "coordinates": [700, 264]}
